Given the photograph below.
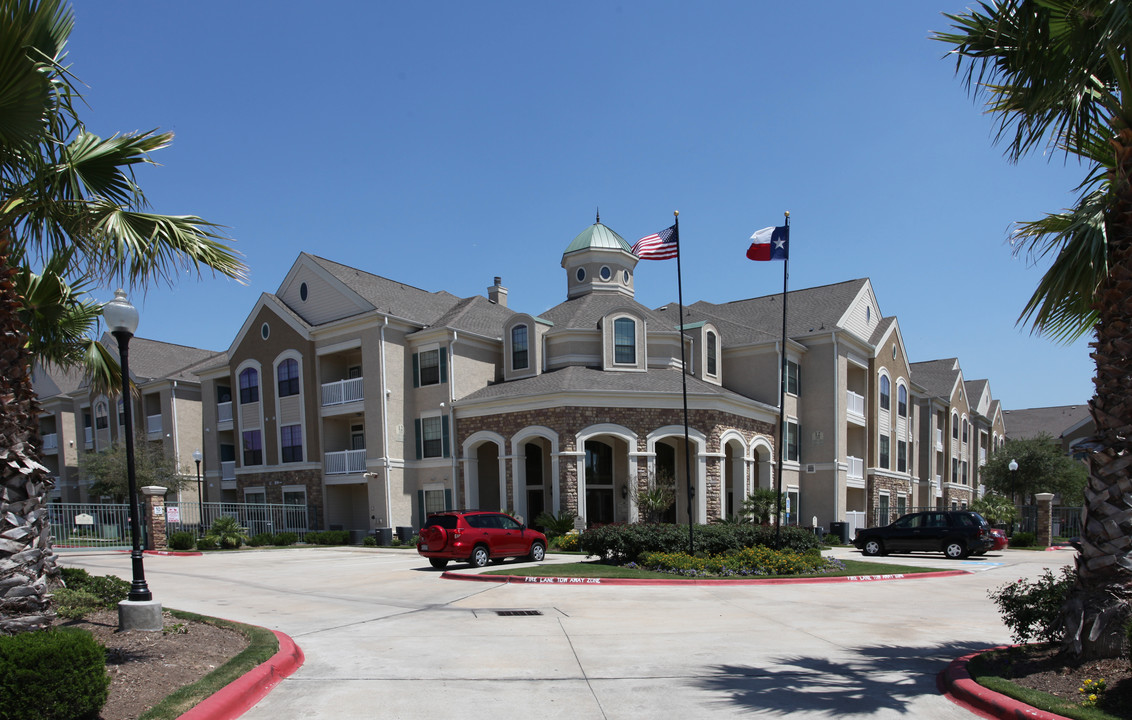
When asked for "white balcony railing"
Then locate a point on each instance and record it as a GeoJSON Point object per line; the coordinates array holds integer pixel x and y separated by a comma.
{"type": "Point", "coordinates": [856, 468]}
{"type": "Point", "coordinates": [153, 424]}
{"type": "Point", "coordinates": [982, 456]}
{"type": "Point", "coordinates": [341, 392]}
{"type": "Point", "coordinates": [224, 412]}
{"type": "Point", "coordinates": [228, 470]}
{"type": "Point", "coordinates": [939, 439]}
{"type": "Point", "coordinates": [344, 462]}
{"type": "Point", "coordinates": [88, 435]}
{"type": "Point", "coordinates": [51, 443]}
{"type": "Point", "coordinates": [855, 404]}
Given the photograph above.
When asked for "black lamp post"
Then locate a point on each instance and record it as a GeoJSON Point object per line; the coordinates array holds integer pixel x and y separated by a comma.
{"type": "Point", "coordinates": [1013, 467]}
{"type": "Point", "coordinates": [197, 457]}
{"type": "Point", "coordinates": [122, 319]}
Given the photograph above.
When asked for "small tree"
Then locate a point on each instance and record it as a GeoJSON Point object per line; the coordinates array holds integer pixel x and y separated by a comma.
{"type": "Point", "coordinates": [1042, 467]}
{"type": "Point", "coordinates": [997, 509]}
{"type": "Point", "coordinates": [107, 469]}
{"type": "Point", "coordinates": [656, 499]}
{"type": "Point", "coordinates": [761, 505]}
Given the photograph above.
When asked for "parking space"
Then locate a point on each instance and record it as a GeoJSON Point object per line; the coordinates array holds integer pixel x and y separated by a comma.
{"type": "Point", "coordinates": [385, 636]}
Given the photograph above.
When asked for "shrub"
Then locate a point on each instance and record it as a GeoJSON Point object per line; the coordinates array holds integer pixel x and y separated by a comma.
{"type": "Point", "coordinates": [620, 544]}
{"type": "Point", "coordinates": [555, 525]}
{"type": "Point", "coordinates": [59, 673]}
{"type": "Point", "coordinates": [370, 541]}
{"type": "Point", "coordinates": [285, 538]}
{"type": "Point", "coordinates": [328, 537]}
{"type": "Point", "coordinates": [182, 540]}
{"type": "Point", "coordinates": [261, 539]}
{"type": "Point", "coordinates": [207, 542]}
{"type": "Point", "coordinates": [1032, 611]}
{"type": "Point", "coordinates": [1023, 539]}
{"type": "Point", "coordinates": [752, 561]}
{"type": "Point", "coordinates": [75, 604]}
{"type": "Point", "coordinates": [569, 543]}
{"type": "Point", "coordinates": [74, 577]}
{"type": "Point", "coordinates": [108, 589]}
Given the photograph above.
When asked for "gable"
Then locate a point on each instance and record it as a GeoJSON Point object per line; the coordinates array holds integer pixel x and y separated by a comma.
{"type": "Point", "coordinates": [863, 314]}
{"type": "Point", "coordinates": [316, 296]}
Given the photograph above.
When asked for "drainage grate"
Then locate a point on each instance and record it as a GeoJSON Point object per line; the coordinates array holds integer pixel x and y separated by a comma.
{"type": "Point", "coordinates": [512, 613]}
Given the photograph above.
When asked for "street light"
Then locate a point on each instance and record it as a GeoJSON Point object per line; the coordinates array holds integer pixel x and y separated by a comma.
{"type": "Point", "coordinates": [197, 457]}
{"type": "Point", "coordinates": [1013, 466]}
{"type": "Point", "coordinates": [122, 319]}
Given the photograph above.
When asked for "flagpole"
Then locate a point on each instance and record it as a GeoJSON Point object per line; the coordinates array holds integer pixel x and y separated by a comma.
{"type": "Point", "coordinates": [782, 395]}
{"type": "Point", "coordinates": [684, 390]}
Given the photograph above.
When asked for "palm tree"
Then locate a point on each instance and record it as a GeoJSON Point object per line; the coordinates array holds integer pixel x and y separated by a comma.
{"type": "Point", "coordinates": [71, 217]}
{"type": "Point", "coordinates": [1057, 73]}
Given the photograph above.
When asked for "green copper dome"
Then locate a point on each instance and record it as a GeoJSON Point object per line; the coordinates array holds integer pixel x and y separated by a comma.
{"type": "Point", "coordinates": [598, 236]}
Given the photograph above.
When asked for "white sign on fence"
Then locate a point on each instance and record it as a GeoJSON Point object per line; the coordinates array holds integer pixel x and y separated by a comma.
{"type": "Point", "coordinates": [158, 510]}
{"type": "Point", "coordinates": [173, 514]}
{"type": "Point", "coordinates": [84, 519]}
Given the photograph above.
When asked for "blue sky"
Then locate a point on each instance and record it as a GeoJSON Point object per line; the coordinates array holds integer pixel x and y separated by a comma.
{"type": "Point", "coordinates": [444, 143]}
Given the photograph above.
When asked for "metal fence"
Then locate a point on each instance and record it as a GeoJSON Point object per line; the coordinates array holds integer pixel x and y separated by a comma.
{"type": "Point", "coordinates": [258, 518]}
{"type": "Point", "coordinates": [86, 525]}
{"type": "Point", "coordinates": [1066, 521]}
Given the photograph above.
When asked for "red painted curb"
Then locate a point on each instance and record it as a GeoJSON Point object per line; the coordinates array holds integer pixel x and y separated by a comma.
{"type": "Point", "coordinates": [962, 690]}
{"type": "Point", "coordinates": [238, 696]}
{"type": "Point", "coordinates": [554, 580]}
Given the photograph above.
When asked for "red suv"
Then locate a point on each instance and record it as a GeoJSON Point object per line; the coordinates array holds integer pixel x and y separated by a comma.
{"type": "Point", "coordinates": [477, 537]}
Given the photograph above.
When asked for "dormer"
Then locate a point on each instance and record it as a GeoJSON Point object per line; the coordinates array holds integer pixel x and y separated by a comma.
{"type": "Point", "coordinates": [623, 345]}
{"type": "Point", "coordinates": [598, 260]}
{"type": "Point", "coordinates": [707, 351]}
{"type": "Point", "coordinates": [523, 346]}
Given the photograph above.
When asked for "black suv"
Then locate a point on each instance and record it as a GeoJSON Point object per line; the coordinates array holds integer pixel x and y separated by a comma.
{"type": "Point", "coordinates": [955, 533]}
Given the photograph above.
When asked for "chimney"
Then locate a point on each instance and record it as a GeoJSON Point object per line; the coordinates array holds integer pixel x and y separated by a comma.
{"type": "Point", "coordinates": [497, 293]}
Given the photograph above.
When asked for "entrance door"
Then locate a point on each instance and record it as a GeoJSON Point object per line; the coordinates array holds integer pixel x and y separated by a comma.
{"type": "Point", "coordinates": [599, 483]}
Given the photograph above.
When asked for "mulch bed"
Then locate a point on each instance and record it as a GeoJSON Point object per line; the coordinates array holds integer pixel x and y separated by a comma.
{"type": "Point", "coordinates": [1040, 667]}
{"type": "Point", "coordinates": [145, 667]}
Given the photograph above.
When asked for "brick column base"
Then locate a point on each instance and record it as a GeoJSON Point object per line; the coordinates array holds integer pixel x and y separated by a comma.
{"type": "Point", "coordinates": [155, 516]}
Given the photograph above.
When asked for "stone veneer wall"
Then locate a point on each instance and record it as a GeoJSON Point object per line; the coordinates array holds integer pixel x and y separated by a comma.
{"type": "Point", "coordinates": [274, 482]}
{"type": "Point", "coordinates": [569, 421]}
{"type": "Point", "coordinates": [895, 486]}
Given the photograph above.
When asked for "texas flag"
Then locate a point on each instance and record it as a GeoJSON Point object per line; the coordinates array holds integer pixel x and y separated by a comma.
{"type": "Point", "coordinates": [772, 243]}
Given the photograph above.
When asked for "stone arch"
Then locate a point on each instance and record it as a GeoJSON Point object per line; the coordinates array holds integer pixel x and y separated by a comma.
{"type": "Point", "coordinates": [544, 490]}
{"type": "Point", "coordinates": [485, 473]}
{"type": "Point", "coordinates": [607, 463]}
{"type": "Point", "coordinates": [673, 436]}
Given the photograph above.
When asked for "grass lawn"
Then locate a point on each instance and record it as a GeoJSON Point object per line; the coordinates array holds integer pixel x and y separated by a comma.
{"type": "Point", "coordinates": [600, 570]}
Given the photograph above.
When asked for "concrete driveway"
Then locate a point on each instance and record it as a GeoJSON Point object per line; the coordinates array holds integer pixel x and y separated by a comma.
{"type": "Point", "coordinates": [386, 637]}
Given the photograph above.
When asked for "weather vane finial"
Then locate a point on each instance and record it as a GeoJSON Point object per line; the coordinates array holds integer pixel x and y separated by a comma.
{"type": "Point", "coordinates": [598, 220]}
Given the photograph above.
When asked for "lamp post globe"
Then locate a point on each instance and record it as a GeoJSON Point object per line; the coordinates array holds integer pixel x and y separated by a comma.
{"type": "Point", "coordinates": [122, 320]}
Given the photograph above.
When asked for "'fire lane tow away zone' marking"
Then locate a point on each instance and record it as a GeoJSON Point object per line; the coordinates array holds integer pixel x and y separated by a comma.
{"type": "Point", "coordinates": [570, 580]}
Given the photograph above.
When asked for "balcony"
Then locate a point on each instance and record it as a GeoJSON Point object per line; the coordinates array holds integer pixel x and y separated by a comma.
{"type": "Point", "coordinates": [88, 436]}
{"type": "Point", "coordinates": [344, 462]}
{"type": "Point", "coordinates": [855, 406]}
{"type": "Point", "coordinates": [856, 468]}
{"type": "Point", "coordinates": [342, 392]}
{"type": "Point", "coordinates": [153, 425]}
{"type": "Point", "coordinates": [51, 443]}
{"type": "Point", "coordinates": [224, 412]}
{"type": "Point", "coordinates": [982, 456]}
{"type": "Point", "coordinates": [228, 470]}
{"type": "Point", "coordinates": [939, 440]}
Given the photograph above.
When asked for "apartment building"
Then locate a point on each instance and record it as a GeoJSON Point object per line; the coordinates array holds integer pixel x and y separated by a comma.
{"type": "Point", "coordinates": [74, 419]}
{"type": "Point", "coordinates": [376, 402]}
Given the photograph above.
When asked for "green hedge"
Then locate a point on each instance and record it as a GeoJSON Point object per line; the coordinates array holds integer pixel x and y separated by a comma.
{"type": "Point", "coordinates": [57, 674]}
{"type": "Point", "coordinates": [746, 562]}
{"type": "Point", "coordinates": [328, 537]}
{"type": "Point", "coordinates": [621, 544]}
{"type": "Point", "coordinates": [182, 540]}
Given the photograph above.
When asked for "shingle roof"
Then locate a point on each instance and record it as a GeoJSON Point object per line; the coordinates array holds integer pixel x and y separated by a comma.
{"type": "Point", "coordinates": [389, 296]}
{"type": "Point", "coordinates": [50, 381]}
{"type": "Point", "coordinates": [808, 312]}
{"type": "Point", "coordinates": [476, 315]}
{"type": "Point", "coordinates": [577, 379]}
{"type": "Point", "coordinates": [154, 360]}
{"type": "Point", "coordinates": [1030, 422]}
{"type": "Point", "coordinates": [586, 310]}
{"type": "Point", "coordinates": [938, 377]}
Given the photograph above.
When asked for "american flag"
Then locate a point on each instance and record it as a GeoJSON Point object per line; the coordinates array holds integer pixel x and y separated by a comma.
{"type": "Point", "coordinates": [663, 245]}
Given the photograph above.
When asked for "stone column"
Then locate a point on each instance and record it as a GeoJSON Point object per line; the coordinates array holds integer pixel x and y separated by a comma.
{"type": "Point", "coordinates": [155, 516]}
{"type": "Point", "coordinates": [1045, 518]}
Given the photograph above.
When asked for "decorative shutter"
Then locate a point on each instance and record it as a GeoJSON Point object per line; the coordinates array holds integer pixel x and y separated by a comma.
{"type": "Point", "coordinates": [416, 371]}
{"type": "Point", "coordinates": [444, 434]}
{"type": "Point", "coordinates": [420, 439]}
{"type": "Point", "coordinates": [448, 499]}
{"type": "Point", "coordinates": [443, 365]}
{"type": "Point", "coordinates": [421, 507]}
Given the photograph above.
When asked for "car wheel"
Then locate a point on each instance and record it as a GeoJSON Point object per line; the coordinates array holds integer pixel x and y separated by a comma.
{"type": "Point", "coordinates": [480, 556]}
{"type": "Point", "coordinates": [538, 553]}
{"type": "Point", "coordinates": [955, 550]}
{"type": "Point", "coordinates": [438, 563]}
{"type": "Point", "coordinates": [874, 547]}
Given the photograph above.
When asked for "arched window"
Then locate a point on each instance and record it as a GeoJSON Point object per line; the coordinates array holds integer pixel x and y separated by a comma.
{"type": "Point", "coordinates": [101, 415]}
{"type": "Point", "coordinates": [885, 393]}
{"type": "Point", "coordinates": [249, 386]}
{"type": "Point", "coordinates": [901, 401]}
{"type": "Point", "coordinates": [711, 354]}
{"type": "Point", "coordinates": [519, 355]}
{"type": "Point", "coordinates": [955, 426]}
{"type": "Point", "coordinates": [288, 376]}
{"type": "Point", "coordinates": [625, 341]}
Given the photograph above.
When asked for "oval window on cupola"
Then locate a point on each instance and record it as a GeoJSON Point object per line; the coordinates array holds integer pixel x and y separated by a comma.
{"type": "Point", "coordinates": [581, 275]}
{"type": "Point", "coordinates": [606, 273]}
